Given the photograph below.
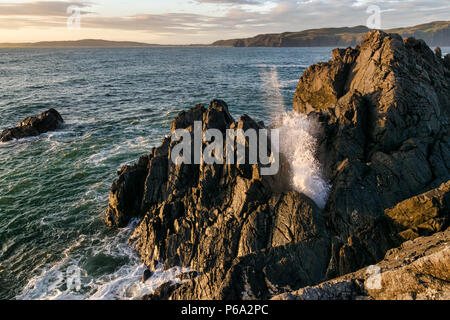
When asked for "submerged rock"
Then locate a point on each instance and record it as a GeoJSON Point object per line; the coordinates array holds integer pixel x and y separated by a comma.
{"type": "Point", "coordinates": [146, 275]}
{"type": "Point", "coordinates": [384, 108]}
{"type": "Point", "coordinates": [33, 126]}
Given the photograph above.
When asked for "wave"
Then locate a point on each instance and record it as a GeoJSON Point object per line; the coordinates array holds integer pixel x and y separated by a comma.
{"type": "Point", "coordinates": [263, 65]}
{"type": "Point", "coordinates": [298, 142]}
{"type": "Point", "coordinates": [91, 282]}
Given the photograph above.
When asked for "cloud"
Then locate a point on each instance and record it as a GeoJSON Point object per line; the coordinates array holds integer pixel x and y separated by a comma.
{"type": "Point", "coordinates": [41, 8]}
{"type": "Point", "coordinates": [231, 2]}
{"type": "Point", "coordinates": [238, 20]}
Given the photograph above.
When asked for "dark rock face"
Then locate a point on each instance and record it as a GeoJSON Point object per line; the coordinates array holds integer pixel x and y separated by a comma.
{"type": "Point", "coordinates": [385, 107]}
{"type": "Point", "coordinates": [146, 275]}
{"type": "Point", "coordinates": [237, 228]}
{"type": "Point", "coordinates": [438, 52]}
{"type": "Point", "coordinates": [447, 62]}
{"type": "Point", "coordinates": [163, 292]}
{"type": "Point", "coordinates": [33, 126]}
{"type": "Point", "coordinates": [418, 270]}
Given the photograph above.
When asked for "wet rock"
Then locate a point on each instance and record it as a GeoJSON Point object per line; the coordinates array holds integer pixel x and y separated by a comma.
{"type": "Point", "coordinates": [33, 126]}
{"type": "Point", "coordinates": [447, 61]}
{"type": "Point", "coordinates": [146, 275]}
{"type": "Point", "coordinates": [163, 292]}
{"type": "Point", "coordinates": [219, 218]}
{"type": "Point", "coordinates": [126, 194]}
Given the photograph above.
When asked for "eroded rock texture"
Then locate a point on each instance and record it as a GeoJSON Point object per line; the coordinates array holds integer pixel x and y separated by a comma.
{"type": "Point", "coordinates": [33, 126]}
{"type": "Point", "coordinates": [418, 270]}
{"type": "Point", "coordinates": [384, 108]}
{"type": "Point", "coordinates": [242, 231]}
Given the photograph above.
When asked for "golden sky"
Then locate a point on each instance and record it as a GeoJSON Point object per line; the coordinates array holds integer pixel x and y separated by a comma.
{"type": "Point", "coordinates": [197, 21]}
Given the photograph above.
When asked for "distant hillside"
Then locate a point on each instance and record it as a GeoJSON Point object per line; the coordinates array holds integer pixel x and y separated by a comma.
{"type": "Point", "coordinates": [434, 33]}
{"type": "Point", "coordinates": [88, 43]}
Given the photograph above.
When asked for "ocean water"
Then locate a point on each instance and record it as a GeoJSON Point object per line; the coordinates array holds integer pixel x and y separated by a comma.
{"type": "Point", "coordinates": [117, 104]}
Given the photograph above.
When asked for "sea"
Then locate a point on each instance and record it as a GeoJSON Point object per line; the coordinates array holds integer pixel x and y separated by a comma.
{"type": "Point", "coordinates": [117, 104]}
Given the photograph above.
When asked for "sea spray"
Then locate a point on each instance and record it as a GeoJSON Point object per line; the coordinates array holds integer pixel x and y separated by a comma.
{"type": "Point", "coordinates": [298, 141]}
{"type": "Point", "coordinates": [272, 90]}
{"type": "Point", "coordinates": [108, 269]}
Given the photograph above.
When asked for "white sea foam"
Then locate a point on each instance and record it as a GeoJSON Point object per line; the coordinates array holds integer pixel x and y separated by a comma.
{"type": "Point", "coordinates": [298, 142]}
{"type": "Point", "coordinates": [124, 283]}
{"type": "Point", "coordinates": [263, 65]}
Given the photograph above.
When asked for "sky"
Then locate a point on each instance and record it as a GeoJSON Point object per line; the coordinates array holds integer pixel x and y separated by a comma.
{"type": "Point", "coordinates": [198, 21]}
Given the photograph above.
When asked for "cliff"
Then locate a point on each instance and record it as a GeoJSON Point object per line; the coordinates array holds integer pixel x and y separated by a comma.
{"type": "Point", "coordinates": [384, 145]}
{"type": "Point", "coordinates": [434, 33]}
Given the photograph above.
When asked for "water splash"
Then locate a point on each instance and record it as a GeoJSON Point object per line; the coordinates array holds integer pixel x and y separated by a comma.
{"type": "Point", "coordinates": [298, 142]}
{"type": "Point", "coordinates": [95, 283]}
{"type": "Point", "coordinates": [272, 90]}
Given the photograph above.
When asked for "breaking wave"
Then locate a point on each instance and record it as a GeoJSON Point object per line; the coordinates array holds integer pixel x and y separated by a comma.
{"type": "Point", "coordinates": [298, 141]}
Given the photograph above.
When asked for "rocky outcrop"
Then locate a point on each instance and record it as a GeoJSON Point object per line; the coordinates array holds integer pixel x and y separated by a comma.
{"type": "Point", "coordinates": [385, 109]}
{"type": "Point", "coordinates": [33, 126]}
{"type": "Point", "coordinates": [418, 270]}
{"type": "Point", "coordinates": [424, 214]}
{"type": "Point", "coordinates": [240, 230]}
{"type": "Point", "coordinates": [384, 112]}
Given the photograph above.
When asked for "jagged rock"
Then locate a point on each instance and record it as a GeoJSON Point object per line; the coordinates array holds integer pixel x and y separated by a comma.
{"type": "Point", "coordinates": [418, 269]}
{"type": "Point", "coordinates": [146, 275]}
{"type": "Point", "coordinates": [220, 218]}
{"type": "Point", "coordinates": [385, 108]}
{"type": "Point", "coordinates": [424, 214]}
{"type": "Point", "coordinates": [163, 292]}
{"type": "Point", "coordinates": [188, 275]}
{"type": "Point", "coordinates": [33, 126]}
{"type": "Point", "coordinates": [438, 52]}
{"type": "Point", "coordinates": [126, 194]}
{"type": "Point", "coordinates": [447, 61]}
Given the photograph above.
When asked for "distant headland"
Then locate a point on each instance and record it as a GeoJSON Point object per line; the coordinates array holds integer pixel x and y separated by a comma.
{"type": "Point", "coordinates": [86, 43]}
{"type": "Point", "coordinates": [434, 34]}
